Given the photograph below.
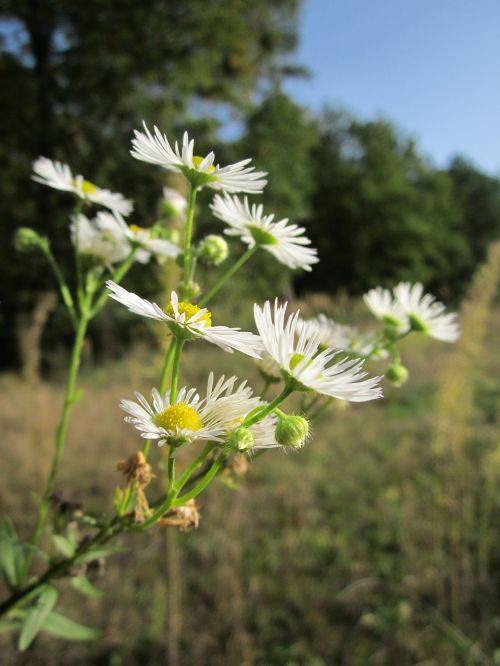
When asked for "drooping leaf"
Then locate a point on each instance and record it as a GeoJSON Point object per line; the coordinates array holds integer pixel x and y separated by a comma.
{"type": "Point", "coordinates": [61, 626]}
{"type": "Point", "coordinates": [84, 586]}
{"type": "Point", "coordinates": [36, 616]}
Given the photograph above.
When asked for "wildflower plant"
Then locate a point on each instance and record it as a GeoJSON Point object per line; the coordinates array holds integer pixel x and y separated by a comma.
{"type": "Point", "coordinates": [318, 359]}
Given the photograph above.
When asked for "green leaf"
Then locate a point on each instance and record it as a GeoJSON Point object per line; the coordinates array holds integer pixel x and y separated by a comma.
{"type": "Point", "coordinates": [84, 586]}
{"type": "Point", "coordinates": [63, 545]}
{"type": "Point", "coordinates": [96, 553]}
{"type": "Point", "coordinates": [36, 616]}
{"type": "Point", "coordinates": [58, 625]}
{"type": "Point", "coordinates": [9, 626]}
{"type": "Point", "coordinates": [12, 554]}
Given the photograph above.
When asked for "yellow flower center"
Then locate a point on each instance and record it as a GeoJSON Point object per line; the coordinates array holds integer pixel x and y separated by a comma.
{"type": "Point", "coordinates": [189, 309]}
{"type": "Point", "coordinates": [87, 186]}
{"type": "Point", "coordinates": [198, 160]}
{"type": "Point", "coordinates": [134, 228]}
{"type": "Point", "coordinates": [178, 416]}
{"type": "Point", "coordinates": [295, 360]}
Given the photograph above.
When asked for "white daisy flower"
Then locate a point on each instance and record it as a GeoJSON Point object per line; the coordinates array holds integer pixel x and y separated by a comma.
{"type": "Point", "coordinates": [340, 336]}
{"type": "Point", "coordinates": [286, 242]}
{"type": "Point", "coordinates": [425, 313]}
{"type": "Point", "coordinates": [199, 171]}
{"type": "Point", "coordinates": [60, 177]}
{"type": "Point", "coordinates": [304, 365]}
{"type": "Point", "coordinates": [386, 308]}
{"type": "Point", "coordinates": [103, 237]}
{"type": "Point", "coordinates": [189, 321]}
{"type": "Point", "coordinates": [190, 418]}
{"type": "Point", "coordinates": [150, 245]}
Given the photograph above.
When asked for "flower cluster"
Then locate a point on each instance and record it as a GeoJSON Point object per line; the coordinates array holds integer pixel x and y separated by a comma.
{"type": "Point", "coordinates": [312, 362]}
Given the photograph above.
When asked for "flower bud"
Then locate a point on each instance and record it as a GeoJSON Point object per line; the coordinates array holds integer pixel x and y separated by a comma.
{"type": "Point", "coordinates": [292, 431]}
{"type": "Point", "coordinates": [193, 290]}
{"type": "Point", "coordinates": [213, 250]}
{"type": "Point", "coordinates": [173, 203]}
{"type": "Point", "coordinates": [397, 373]}
{"type": "Point", "coordinates": [27, 239]}
{"type": "Point", "coordinates": [240, 439]}
{"type": "Point", "coordinates": [159, 231]}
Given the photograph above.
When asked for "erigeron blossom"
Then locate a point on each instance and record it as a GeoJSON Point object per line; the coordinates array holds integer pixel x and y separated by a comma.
{"type": "Point", "coordinates": [189, 321]}
{"type": "Point", "coordinates": [199, 171]}
{"type": "Point", "coordinates": [304, 365]}
{"type": "Point", "coordinates": [102, 237]}
{"type": "Point", "coordinates": [189, 418]}
{"type": "Point", "coordinates": [285, 241]}
{"type": "Point", "coordinates": [60, 177]}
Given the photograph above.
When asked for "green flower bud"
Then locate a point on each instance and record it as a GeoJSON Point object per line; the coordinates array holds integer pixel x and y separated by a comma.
{"type": "Point", "coordinates": [193, 291]}
{"type": "Point", "coordinates": [27, 239]}
{"type": "Point", "coordinates": [160, 231]}
{"type": "Point", "coordinates": [240, 439]}
{"type": "Point", "coordinates": [292, 431]}
{"type": "Point", "coordinates": [213, 250]}
{"type": "Point", "coordinates": [397, 373]}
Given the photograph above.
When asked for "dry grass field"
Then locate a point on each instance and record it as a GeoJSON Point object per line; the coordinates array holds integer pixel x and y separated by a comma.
{"type": "Point", "coordinates": [377, 543]}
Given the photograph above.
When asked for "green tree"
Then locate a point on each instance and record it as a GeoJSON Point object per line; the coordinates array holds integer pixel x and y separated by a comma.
{"type": "Point", "coordinates": [381, 213]}
{"type": "Point", "coordinates": [78, 77]}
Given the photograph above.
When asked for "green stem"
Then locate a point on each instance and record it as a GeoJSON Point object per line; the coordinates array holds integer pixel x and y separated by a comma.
{"type": "Point", "coordinates": [69, 400]}
{"type": "Point", "coordinates": [229, 272]}
{"type": "Point", "coordinates": [76, 244]}
{"type": "Point", "coordinates": [61, 567]}
{"type": "Point", "coordinates": [187, 240]}
{"type": "Point", "coordinates": [319, 410]}
{"type": "Point", "coordinates": [117, 275]}
{"type": "Point", "coordinates": [268, 408]}
{"type": "Point", "coordinates": [265, 389]}
{"type": "Point", "coordinates": [175, 370]}
{"type": "Point", "coordinates": [65, 292]}
{"type": "Point", "coordinates": [185, 476]}
{"type": "Point", "coordinates": [169, 357]}
{"type": "Point", "coordinates": [219, 461]}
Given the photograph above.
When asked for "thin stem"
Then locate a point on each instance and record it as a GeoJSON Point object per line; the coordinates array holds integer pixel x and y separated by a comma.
{"type": "Point", "coordinates": [265, 389]}
{"type": "Point", "coordinates": [268, 408]}
{"type": "Point", "coordinates": [76, 244]}
{"type": "Point", "coordinates": [69, 400]}
{"type": "Point", "coordinates": [175, 370]}
{"type": "Point", "coordinates": [219, 461]}
{"type": "Point", "coordinates": [229, 272]}
{"type": "Point", "coordinates": [319, 410]}
{"type": "Point", "coordinates": [65, 292]}
{"type": "Point", "coordinates": [187, 240]}
{"type": "Point", "coordinates": [169, 357]}
{"type": "Point", "coordinates": [117, 275]}
{"type": "Point", "coordinates": [61, 567]}
{"type": "Point", "coordinates": [185, 476]}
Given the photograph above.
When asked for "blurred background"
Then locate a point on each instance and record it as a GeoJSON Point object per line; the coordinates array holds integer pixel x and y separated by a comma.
{"type": "Point", "coordinates": [378, 122]}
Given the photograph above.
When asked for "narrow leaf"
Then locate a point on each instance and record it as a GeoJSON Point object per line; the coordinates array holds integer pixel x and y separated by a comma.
{"type": "Point", "coordinates": [9, 626]}
{"type": "Point", "coordinates": [96, 553]}
{"type": "Point", "coordinates": [58, 625]}
{"type": "Point", "coordinates": [84, 586]}
{"type": "Point", "coordinates": [8, 553]}
{"type": "Point", "coordinates": [36, 616]}
{"type": "Point", "coordinates": [63, 545]}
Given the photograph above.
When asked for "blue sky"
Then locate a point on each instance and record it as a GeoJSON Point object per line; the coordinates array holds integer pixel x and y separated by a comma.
{"type": "Point", "coordinates": [430, 66]}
